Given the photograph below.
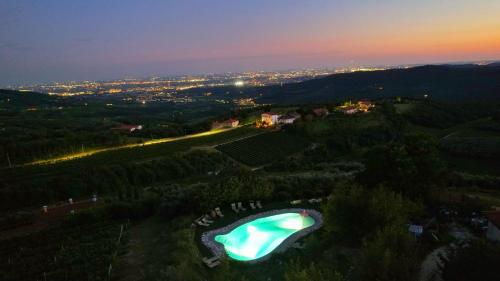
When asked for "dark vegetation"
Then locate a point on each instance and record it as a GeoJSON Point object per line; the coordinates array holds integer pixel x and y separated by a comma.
{"type": "Point", "coordinates": [264, 148]}
{"type": "Point", "coordinates": [37, 126]}
{"type": "Point", "coordinates": [78, 253]}
{"type": "Point", "coordinates": [381, 171]}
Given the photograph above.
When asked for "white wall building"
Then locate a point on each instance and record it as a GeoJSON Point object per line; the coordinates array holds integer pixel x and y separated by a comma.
{"type": "Point", "coordinates": [270, 118]}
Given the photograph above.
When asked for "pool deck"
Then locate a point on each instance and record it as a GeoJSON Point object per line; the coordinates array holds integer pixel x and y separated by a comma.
{"type": "Point", "coordinates": [208, 238]}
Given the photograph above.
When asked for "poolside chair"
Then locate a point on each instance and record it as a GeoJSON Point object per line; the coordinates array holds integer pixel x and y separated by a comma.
{"type": "Point", "coordinates": [206, 219]}
{"type": "Point", "coordinates": [218, 212]}
{"type": "Point", "coordinates": [210, 260]}
{"type": "Point", "coordinates": [214, 264]}
{"type": "Point", "coordinates": [296, 202]}
{"type": "Point", "coordinates": [258, 204]}
{"type": "Point", "coordinates": [233, 207]}
{"type": "Point", "coordinates": [213, 214]}
{"type": "Point", "coordinates": [252, 205]}
{"type": "Point", "coordinates": [201, 223]}
{"type": "Point", "coordinates": [240, 207]}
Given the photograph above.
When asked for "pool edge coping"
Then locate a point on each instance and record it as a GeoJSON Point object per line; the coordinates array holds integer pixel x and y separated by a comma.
{"type": "Point", "coordinates": [217, 248]}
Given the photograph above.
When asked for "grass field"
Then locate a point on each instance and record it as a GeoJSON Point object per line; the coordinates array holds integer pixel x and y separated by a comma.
{"type": "Point", "coordinates": [265, 148]}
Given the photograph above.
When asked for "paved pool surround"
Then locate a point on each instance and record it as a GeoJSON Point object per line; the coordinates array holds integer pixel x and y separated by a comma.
{"type": "Point", "coordinates": [208, 238]}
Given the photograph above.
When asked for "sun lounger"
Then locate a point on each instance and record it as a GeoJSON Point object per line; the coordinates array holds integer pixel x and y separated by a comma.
{"type": "Point", "coordinates": [233, 207]}
{"type": "Point", "coordinates": [202, 223]}
{"type": "Point", "coordinates": [210, 260]}
{"type": "Point", "coordinates": [252, 205]}
{"type": "Point", "coordinates": [218, 212]}
{"type": "Point", "coordinates": [295, 202]}
{"type": "Point", "coordinates": [206, 219]}
{"type": "Point", "coordinates": [214, 264]}
{"type": "Point", "coordinates": [240, 207]}
{"type": "Point", "coordinates": [258, 204]}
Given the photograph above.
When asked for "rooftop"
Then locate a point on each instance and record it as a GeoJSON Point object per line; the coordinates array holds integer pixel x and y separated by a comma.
{"type": "Point", "coordinates": [494, 218]}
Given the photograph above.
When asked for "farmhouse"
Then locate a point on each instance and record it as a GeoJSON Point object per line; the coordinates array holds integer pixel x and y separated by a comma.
{"type": "Point", "coordinates": [350, 109]}
{"type": "Point", "coordinates": [270, 118]}
{"type": "Point", "coordinates": [288, 119]}
{"type": "Point", "coordinates": [128, 128]}
{"type": "Point", "coordinates": [365, 105]}
{"type": "Point", "coordinates": [493, 232]}
{"type": "Point", "coordinates": [321, 111]}
{"type": "Point", "coordinates": [230, 123]}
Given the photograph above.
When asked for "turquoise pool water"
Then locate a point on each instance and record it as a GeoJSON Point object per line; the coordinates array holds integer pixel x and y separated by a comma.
{"type": "Point", "coordinates": [260, 237]}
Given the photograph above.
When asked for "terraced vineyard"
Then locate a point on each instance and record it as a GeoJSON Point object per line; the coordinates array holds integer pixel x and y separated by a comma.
{"type": "Point", "coordinates": [71, 253]}
{"type": "Point", "coordinates": [140, 153]}
{"type": "Point", "coordinates": [264, 148]}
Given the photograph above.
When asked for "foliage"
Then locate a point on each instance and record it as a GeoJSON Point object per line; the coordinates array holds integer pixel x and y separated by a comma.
{"type": "Point", "coordinates": [354, 213]}
{"type": "Point", "coordinates": [235, 188]}
{"type": "Point", "coordinates": [390, 255]}
{"type": "Point", "coordinates": [123, 180]}
{"type": "Point", "coordinates": [79, 252]}
{"type": "Point", "coordinates": [411, 167]}
{"type": "Point", "coordinates": [297, 271]}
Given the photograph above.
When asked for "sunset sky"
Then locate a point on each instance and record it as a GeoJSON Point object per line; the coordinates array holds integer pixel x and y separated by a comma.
{"type": "Point", "coordinates": [56, 40]}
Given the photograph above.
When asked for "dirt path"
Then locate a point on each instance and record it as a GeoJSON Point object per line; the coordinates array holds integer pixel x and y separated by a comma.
{"type": "Point", "coordinates": [145, 253]}
{"type": "Point", "coordinates": [429, 270]}
{"type": "Point", "coordinates": [131, 264]}
{"type": "Point", "coordinates": [126, 146]}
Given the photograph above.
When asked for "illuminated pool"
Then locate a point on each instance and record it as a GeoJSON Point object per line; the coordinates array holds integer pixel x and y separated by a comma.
{"type": "Point", "coordinates": [255, 237]}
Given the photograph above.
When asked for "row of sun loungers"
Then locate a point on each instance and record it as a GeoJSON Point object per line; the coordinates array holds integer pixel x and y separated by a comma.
{"type": "Point", "coordinates": [211, 262]}
{"type": "Point", "coordinates": [206, 219]}
{"type": "Point", "coordinates": [237, 207]}
{"type": "Point", "coordinates": [313, 200]}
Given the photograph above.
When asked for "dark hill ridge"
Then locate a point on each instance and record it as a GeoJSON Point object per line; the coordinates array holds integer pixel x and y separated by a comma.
{"type": "Point", "coordinates": [441, 82]}
{"type": "Point", "coordinates": [11, 98]}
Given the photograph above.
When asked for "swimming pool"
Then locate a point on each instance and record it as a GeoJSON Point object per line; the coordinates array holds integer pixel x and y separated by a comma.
{"type": "Point", "coordinates": [255, 237]}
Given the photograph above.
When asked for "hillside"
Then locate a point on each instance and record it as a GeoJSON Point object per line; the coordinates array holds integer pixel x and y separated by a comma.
{"type": "Point", "coordinates": [441, 82]}
{"type": "Point", "coordinates": [10, 99]}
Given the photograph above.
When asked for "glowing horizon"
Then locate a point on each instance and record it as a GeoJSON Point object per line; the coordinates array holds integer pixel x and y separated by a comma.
{"type": "Point", "coordinates": [94, 40]}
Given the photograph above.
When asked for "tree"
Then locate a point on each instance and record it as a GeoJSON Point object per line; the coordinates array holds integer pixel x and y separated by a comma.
{"type": "Point", "coordinates": [411, 167]}
{"type": "Point", "coordinates": [354, 213]}
{"type": "Point", "coordinates": [390, 256]}
{"type": "Point", "coordinates": [344, 212]}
